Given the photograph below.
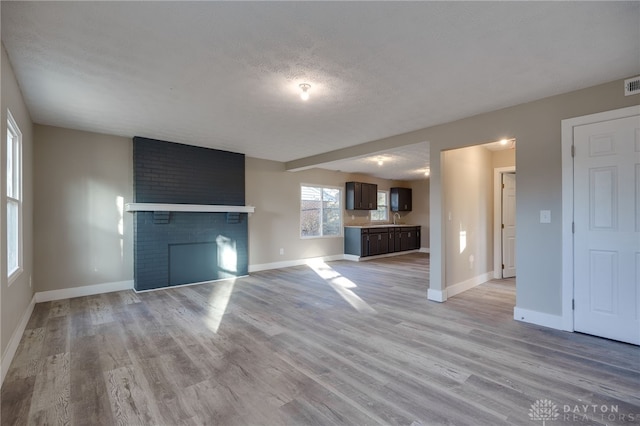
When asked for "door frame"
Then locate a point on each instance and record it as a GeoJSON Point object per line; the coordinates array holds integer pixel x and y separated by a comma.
{"type": "Point", "coordinates": [568, 206]}
{"type": "Point", "coordinates": [497, 218]}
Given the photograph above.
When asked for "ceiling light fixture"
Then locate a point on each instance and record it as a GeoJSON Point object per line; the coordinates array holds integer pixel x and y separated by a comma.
{"type": "Point", "coordinates": [380, 162]}
{"type": "Point", "coordinates": [504, 142]}
{"type": "Point", "coordinates": [427, 172]}
{"type": "Point", "coordinates": [304, 95]}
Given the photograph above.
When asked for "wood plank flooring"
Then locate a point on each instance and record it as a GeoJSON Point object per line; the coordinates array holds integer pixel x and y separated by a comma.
{"type": "Point", "coordinates": [336, 343]}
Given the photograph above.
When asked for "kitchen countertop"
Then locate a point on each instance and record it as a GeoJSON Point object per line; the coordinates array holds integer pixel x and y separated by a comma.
{"type": "Point", "coordinates": [388, 225]}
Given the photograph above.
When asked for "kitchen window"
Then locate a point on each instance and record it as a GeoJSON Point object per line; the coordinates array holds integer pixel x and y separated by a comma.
{"type": "Point", "coordinates": [382, 214]}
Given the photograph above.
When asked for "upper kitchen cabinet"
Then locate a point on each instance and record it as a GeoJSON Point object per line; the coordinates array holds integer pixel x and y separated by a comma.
{"type": "Point", "coordinates": [361, 196]}
{"type": "Point", "coordinates": [400, 199]}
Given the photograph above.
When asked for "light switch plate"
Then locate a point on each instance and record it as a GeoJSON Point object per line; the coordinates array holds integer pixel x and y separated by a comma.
{"type": "Point", "coordinates": [545, 216]}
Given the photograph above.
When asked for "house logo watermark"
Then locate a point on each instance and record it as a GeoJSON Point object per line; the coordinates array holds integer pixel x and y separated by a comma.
{"type": "Point", "coordinates": [546, 410]}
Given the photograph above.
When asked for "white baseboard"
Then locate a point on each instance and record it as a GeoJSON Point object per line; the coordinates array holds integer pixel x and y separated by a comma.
{"type": "Point", "coordinates": [12, 347]}
{"type": "Point", "coordinates": [463, 286]}
{"type": "Point", "coordinates": [290, 263]}
{"type": "Point", "coordinates": [437, 295]}
{"type": "Point", "coordinates": [89, 290]}
{"type": "Point", "coordinates": [452, 290]}
{"type": "Point", "coordinates": [424, 250]}
{"type": "Point", "coordinates": [538, 318]}
{"type": "Point", "coordinates": [189, 284]}
{"type": "Point", "coordinates": [356, 258]}
{"type": "Point", "coordinates": [352, 257]}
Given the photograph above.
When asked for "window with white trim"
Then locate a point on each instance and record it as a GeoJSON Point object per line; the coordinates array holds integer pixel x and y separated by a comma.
{"type": "Point", "coordinates": [320, 211]}
{"type": "Point", "coordinates": [14, 198]}
{"type": "Point", "coordinates": [382, 214]}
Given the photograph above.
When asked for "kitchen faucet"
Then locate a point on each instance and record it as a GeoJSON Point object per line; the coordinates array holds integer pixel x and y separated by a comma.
{"type": "Point", "coordinates": [396, 214]}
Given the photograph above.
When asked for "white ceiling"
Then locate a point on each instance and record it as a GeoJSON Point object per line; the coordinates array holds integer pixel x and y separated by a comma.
{"type": "Point", "coordinates": [408, 162]}
{"type": "Point", "coordinates": [225, 74]}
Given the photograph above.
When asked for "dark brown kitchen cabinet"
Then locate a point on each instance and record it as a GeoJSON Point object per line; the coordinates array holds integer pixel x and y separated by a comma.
{"type": "Point", "coordinates": [380, 240]}
{"type": "Point", "coordinates": [361, 196]}
{"type": "Point", "coordinates": [401, 199]}
{"type": "Point", "coordinates": [409, 238]}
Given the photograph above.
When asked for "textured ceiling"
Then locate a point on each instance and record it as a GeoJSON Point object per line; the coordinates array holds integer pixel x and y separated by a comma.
{"type": "Point", "coordinates": [408, 162]}
{"type": "Point", "coordinates": [225, 74]}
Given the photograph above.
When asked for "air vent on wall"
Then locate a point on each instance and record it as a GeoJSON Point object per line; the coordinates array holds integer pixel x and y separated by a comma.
{"type": "Point", "coordinates": [632, 86]}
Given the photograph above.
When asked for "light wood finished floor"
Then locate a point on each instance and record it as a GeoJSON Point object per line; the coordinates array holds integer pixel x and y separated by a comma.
{"type": "Point", "coordinates": [361, 346]}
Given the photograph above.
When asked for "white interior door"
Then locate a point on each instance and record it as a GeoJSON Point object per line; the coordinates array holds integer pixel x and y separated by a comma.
{"type": "Point", "coordinates": [508, 225]}
{"type": "Point", "coordinates": [607, 229]}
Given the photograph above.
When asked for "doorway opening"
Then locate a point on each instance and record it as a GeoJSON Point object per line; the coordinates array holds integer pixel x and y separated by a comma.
{"type": "Point", "coordinates": [473, 214]}
{"type": "Point", "coordinates": [504, 232]}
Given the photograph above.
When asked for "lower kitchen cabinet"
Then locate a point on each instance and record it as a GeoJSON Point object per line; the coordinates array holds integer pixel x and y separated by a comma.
{"type": "Point", "coordinates": [379, 240]}
{"type": "Point", "coordinates": [409, 238]}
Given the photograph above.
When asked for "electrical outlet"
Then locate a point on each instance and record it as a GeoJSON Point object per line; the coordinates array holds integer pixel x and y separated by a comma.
{"type": "Point", "coordinates": [281, 251]}
{"type": "Point", "coordinates": [545, 216]}
{"type": "Point", "coordinates": [29, 281]}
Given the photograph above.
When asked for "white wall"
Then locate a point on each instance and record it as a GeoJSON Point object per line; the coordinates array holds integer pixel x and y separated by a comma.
{"type": "Point", "coordinates": [536, 128]}
{"type": "Point", "coordinates": [468, 204]}
{"type": "Point", "coordinates": [274, 191]}
{"type": "Point", "coordinates": [275, 225]}
{"type": "Point", "coordinates": [15, 299]}
{"type": "Point", "coordinates": [80, 176]}
{"type": "Point", "coordinates": [503, 158]}
{"type": "Point", "coordinates": [83, 237]}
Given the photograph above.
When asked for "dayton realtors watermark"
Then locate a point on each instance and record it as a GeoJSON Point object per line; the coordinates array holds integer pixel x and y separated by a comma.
{"type": "Point", "coordinates": [545, 410]}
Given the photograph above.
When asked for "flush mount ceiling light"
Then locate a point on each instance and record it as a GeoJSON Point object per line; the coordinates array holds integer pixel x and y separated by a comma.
{"type": "Point", "coordinates": [504, 141]}
{"type": "Point", "coordinates": [304, 95]}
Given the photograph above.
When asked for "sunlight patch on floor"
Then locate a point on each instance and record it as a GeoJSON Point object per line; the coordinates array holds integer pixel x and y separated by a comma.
{"type": "Point", "coordinates": [218, 302]}
{"type": "Point", "coordinates": [341, 285]}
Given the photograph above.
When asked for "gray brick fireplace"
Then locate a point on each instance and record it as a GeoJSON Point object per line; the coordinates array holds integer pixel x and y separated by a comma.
{"type": "Point", "coordinates": [183, 247]}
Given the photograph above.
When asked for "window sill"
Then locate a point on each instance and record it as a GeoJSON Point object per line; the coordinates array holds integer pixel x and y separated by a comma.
{"type": "Point", "coordinates": [13, 277]}
{"type": "Point", "coordinates": [314, 237]}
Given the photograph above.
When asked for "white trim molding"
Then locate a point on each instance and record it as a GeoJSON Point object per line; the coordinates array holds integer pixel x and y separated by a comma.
{"type": "Point", "coordinates": [567, 203]}
{"type": "Point", "coordinates": [538, 318]}
{"type": "Point", "coordinates": [357, 258]}
{"type": "Point", "coordinates": [12, 347]}
{"type": "Point", "coordinates": [89, 290]}
{"type": "Point", "coordinates": [189, 284]}
{"type": "Point", "coordinates": [457, 288]}
{"type": "Point", "coordinates": [437, 295]}
{"type": "Point", "coordinates": [297, 262]}
{"type": "Point", "coordinates": [497, 218]}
